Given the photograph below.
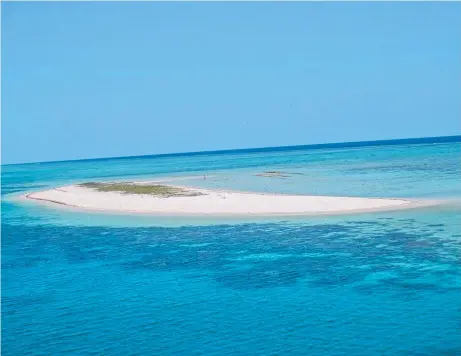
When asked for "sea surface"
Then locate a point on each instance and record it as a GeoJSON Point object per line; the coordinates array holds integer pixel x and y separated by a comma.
{"type": "Point", "coordinates": [388, 283]}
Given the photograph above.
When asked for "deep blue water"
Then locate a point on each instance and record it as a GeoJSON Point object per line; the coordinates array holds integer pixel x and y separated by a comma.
{"type": "Point", "coordinates": [370, 284]}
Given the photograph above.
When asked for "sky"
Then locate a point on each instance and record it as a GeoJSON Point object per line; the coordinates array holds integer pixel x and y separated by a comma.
{"type": "Point", "coordinates": [97, 79]}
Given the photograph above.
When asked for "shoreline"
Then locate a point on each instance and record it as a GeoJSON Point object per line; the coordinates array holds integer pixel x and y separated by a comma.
{"type": "Point", "coordinates": [219, 203]}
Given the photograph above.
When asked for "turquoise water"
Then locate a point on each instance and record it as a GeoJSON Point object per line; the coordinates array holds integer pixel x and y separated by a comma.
{"type": "Point", "coordinates": [75, 283]}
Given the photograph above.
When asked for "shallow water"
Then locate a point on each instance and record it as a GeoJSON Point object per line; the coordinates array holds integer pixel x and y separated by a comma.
{"type": "Point", "coordinates": [369, 284]}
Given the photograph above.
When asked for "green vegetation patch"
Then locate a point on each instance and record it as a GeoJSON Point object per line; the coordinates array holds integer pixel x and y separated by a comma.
{"type": "Point", "coordinates": [163, 191]}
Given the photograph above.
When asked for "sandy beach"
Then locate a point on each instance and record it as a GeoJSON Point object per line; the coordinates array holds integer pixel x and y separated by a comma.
{"type": "Point", "coordinates": [214, 202]}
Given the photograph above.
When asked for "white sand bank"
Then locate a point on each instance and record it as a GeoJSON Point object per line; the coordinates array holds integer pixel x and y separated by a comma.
{"type": "Point", "coordinates": [215, 202]}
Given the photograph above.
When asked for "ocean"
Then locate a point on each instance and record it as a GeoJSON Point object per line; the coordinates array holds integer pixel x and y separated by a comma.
{"type": "Point", "coordinates": [387, 283]}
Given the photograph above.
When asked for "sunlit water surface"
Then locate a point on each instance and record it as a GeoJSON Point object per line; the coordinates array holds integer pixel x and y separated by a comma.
{"type": "Point", "coordinates": [389, 283]}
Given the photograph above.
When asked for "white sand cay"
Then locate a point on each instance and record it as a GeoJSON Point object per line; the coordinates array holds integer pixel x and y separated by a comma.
{"type": "Point", "coordinates": [214, 202]}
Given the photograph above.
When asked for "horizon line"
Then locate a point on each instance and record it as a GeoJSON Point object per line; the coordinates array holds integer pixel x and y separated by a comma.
{"type": "Point", "coordinates": [385, 142]}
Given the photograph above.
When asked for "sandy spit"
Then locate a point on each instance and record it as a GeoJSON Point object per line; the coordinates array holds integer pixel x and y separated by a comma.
{"type": "Point", "coordinates": [214, 202]}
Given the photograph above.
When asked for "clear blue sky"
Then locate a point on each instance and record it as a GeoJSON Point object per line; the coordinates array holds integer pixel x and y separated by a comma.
{"type": "Point", "coordinates": [83, 80]}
